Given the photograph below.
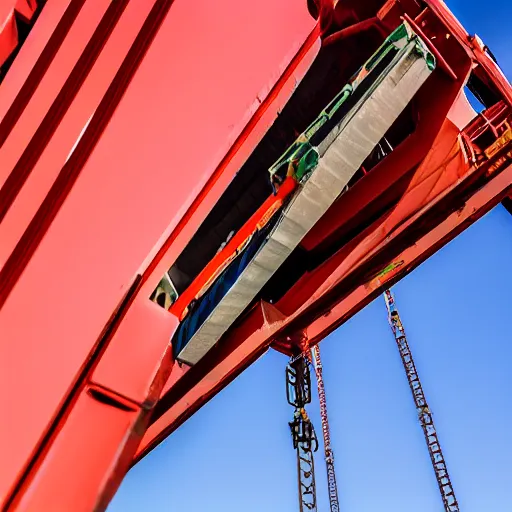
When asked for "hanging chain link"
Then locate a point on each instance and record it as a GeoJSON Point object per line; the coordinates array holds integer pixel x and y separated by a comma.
{"type": "Point", "coordinates": [424, 414]}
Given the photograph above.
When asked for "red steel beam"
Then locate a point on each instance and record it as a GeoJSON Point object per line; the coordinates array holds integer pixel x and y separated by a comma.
{"type": "Point", "coordinates": [105, 185]}
{"type": "Point", "coordinates": [173, 408]}
{"type": "Point", "coordinates": [411, 257]}
{"type": "Point", "coordinates": [182, 398]}
{"type": "Point", "coordinates": [10, 12]}
{"type": "Point", "coordinates": [91, 213]}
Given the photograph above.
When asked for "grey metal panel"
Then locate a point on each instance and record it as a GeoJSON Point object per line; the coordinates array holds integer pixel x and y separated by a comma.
{"type": "Point", "coordinates": [342, 153]}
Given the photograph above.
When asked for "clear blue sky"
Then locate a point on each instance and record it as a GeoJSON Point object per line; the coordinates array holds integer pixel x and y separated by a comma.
{"type": "Point", "coordinates": [236, 454]}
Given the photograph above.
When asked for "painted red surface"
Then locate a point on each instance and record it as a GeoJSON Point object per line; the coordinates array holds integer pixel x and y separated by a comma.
{"type": "Point", "coordinates": [240, 349]}
{"type": "Point", "coordinates": [483, 201]}
{"type": "Point", "coordinates": [45, 169]}
{"type": "Point", "coordinates": [163, 142]}
{"type": "Point", "coordinates": [444, 167]}
{"type": "Point", "coordinates": [109, 432]}
{"type": "Point", "coordinates": [91, 218]}
{"type": "Point", "coordinates": [204, 381]}
{"type": "Point", "coordinates": [9, 9]}
{"type": "Point", "coordinates": [49, 86]}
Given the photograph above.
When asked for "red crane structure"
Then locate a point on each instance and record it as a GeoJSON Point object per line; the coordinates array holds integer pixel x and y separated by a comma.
{"type": "Point", "coordinates": [424, 413]}
{"type": "Point", "coordinates": [185, 185]}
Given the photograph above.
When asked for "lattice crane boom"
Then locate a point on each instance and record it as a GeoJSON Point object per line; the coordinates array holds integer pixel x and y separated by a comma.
{"type": "Point", "coordinates": [329, 455]}
{"type": "Point", "coordinates": [424, 414]}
